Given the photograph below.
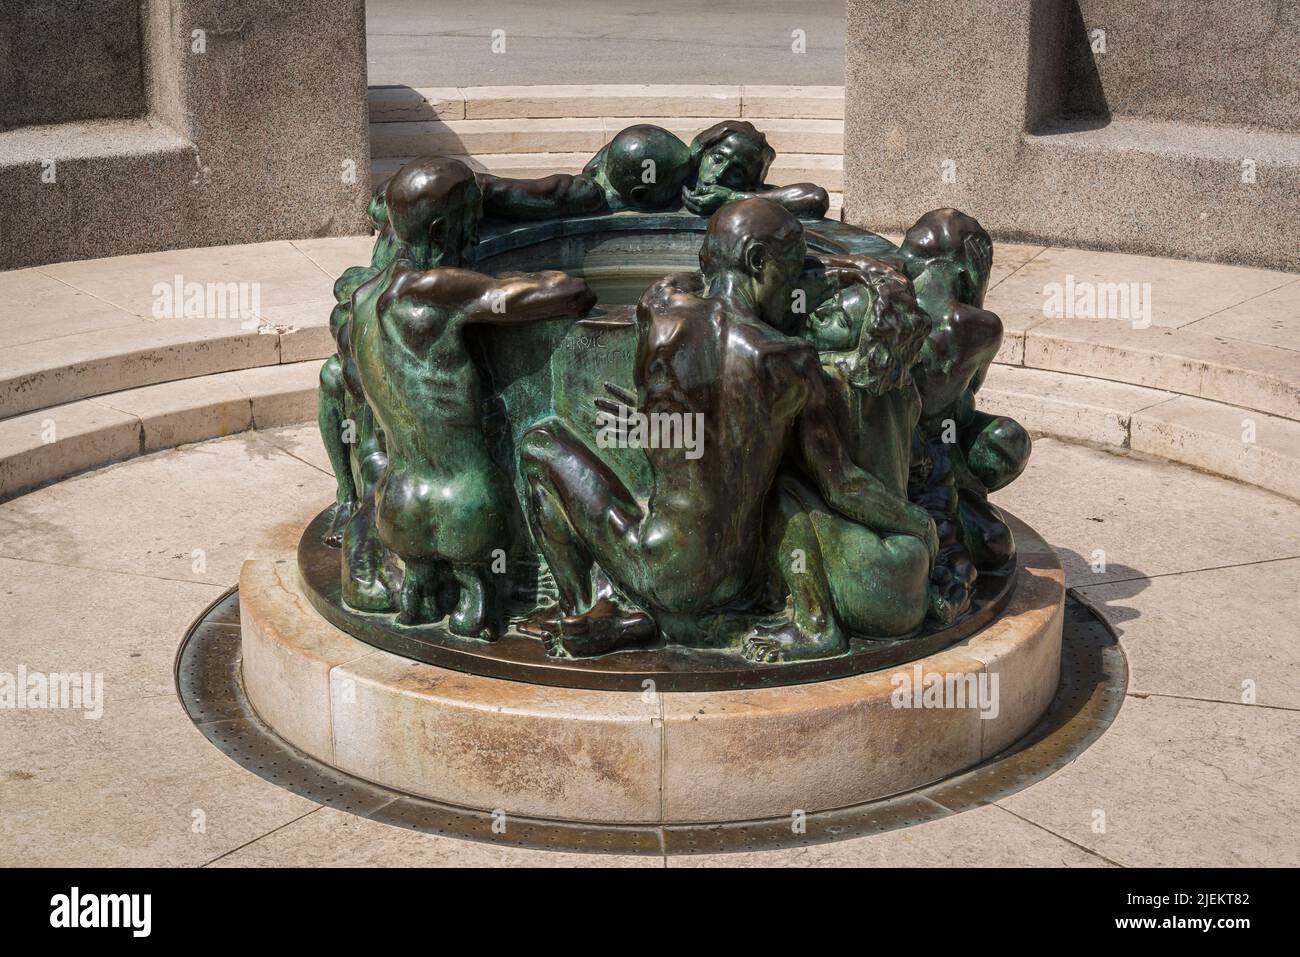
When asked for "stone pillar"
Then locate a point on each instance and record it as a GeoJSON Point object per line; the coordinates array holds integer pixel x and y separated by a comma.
{"type": "Point", "coordinates": [1018, 113]}
{"type": "Point", "coordinates": [250, 124]}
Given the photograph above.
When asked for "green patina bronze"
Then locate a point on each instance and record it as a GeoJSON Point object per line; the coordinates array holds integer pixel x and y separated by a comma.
{"type": "Point", "coordinates": [647, 168]}
{"type": "Point", "coordinates": [771, 456]}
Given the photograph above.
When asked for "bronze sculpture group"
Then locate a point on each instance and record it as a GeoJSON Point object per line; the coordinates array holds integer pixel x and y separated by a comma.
{"type": "Point", "coordinates": [838, 484]}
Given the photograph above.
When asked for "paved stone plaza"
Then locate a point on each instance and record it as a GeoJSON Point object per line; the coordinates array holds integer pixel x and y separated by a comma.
{"type": "Point", "coordinates": [105, 569]}
{"type": "Point", "coordinates": [167, 292]}
{"type": "Point", "coordinates": [1187, 775]}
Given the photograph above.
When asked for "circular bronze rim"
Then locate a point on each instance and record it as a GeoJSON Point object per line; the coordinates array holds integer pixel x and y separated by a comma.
{"type": "Point", "coordinates": [517, 657]}
{"type": "Point", "coordinates": [824, 235]}
{"type": "Point", "coordinates": [1094, 676]}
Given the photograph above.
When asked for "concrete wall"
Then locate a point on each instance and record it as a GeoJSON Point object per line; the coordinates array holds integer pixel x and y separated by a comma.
{"type": "Point", "coordinates": [53, 68]}
{"type": "Point", "coordinates": [1181, 139]}
{"type": "Point", "coordinates": [1234, 64]}
{"type": "Point", "coordinates": [256, 129]}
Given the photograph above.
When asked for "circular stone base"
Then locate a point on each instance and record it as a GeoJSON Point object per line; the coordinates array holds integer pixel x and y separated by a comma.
{"type": "Point", "coordinates": [648, 756]}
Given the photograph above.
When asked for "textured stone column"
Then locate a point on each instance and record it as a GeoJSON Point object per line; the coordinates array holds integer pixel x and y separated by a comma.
{"type": "Point", "coordinates": [252, 126]}
{"type": "Point", "coordinates": [931, 89]}
{"type": "Point", "coordinates": [1012, 111]}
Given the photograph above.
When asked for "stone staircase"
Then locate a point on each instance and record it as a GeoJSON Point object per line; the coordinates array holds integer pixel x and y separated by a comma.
{"type": "Point", "coordinates": [88, 375]}
{"type": "Point", "coordinates": [1213, 382]}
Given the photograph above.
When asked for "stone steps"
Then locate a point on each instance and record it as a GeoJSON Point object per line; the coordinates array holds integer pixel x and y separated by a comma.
{"type": "Point", "coordinates": [53, 443]}
{"type": "Point", "coordinates": [81, 329]}
{"type": "Point", "coordinates": [1252, 375]}
{"type": "Point", "coordinates": [1228, 440]}
{"type": "Point", "coordinates": [57, 371]}
{"type": "Point", "coordinates": [49, 444]}
{"type": "Point", "coordinates": [80, 350]}
{"type": "Point", "coordinates": [398, 103]}
{"type": "Point", "coordinates": [56, 364]}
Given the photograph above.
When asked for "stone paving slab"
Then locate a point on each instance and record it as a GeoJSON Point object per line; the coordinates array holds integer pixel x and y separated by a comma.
{"type": "Point", "coordinates": [1180, 291]}
{"type": "Point", "coordinates": [139, 787]}
{"type": "Point", "coordinates": [301, 441]}
{"type": "Point", "coordinates": [38, 307]}
{"type": "Point", "coordinates": [1226, 634]}
{"type": "Point", "coordinates": [985, 837]}
{"type": "Point", "coordinates": [1178, 782]}
{"type": "Point", "coordinates": [151, 516]}
{"type": "Point", "coordinates": [283, 274]}
{"type": "Point", "coordinates": [330, 838]}
{"type": "Point", "coordinates": [1134, 518]}
{"type": "Point", "coordinates": [61, 617]}
{"type": "Point", "coordinates": [333, 254]}
{"type": "Point", "coordinates": [1270, 319]}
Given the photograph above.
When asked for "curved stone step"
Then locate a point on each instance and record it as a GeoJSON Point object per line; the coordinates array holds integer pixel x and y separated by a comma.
{"type": "Point", "coordinates": [58, 371]}
{"type": "Point", "coordinates": [399, 103]}
{"type": "Point", "coordinates": [76, 330]}
{"type": "Point", "coordinates": [1257, 376]}
{"type": "Point", "coordinates": [50, 444]}
{"type": "Point", "coordinates": [79, 329]}
{"type": "Point", "coordinates": [1228, 440]}
{"type": "Point", "coordinates": [53, 443]}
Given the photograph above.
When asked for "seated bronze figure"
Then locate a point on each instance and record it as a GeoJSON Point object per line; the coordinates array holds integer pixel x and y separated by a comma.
{"type": "Point", "coordinates": [771, 457]}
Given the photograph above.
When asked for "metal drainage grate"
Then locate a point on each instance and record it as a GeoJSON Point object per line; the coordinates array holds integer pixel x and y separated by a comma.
{"type": "Point", "coordinates": [1094, 676]}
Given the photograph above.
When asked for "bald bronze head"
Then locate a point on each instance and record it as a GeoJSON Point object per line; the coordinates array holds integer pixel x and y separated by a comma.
{"type": "Point", "coordinates": [941, 232]}
{"type": "Point", "coordinates": [647, 165]}
{"type": "Point", "coordinates": [433, 207]}
{"type": "Point", "coordinates": [958, 243]}
{"type": "Point", "coordinates": [756, 246]}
